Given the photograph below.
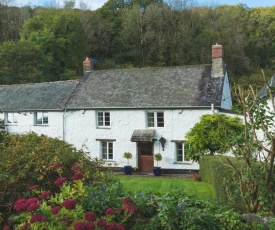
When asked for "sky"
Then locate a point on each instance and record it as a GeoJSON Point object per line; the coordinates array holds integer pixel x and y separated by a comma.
{"type": "Point", "coordinates": [95, 4]}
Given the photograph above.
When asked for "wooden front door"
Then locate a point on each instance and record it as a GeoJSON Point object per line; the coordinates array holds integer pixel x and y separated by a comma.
{"type": "Point", "coordinates": [145, 156]}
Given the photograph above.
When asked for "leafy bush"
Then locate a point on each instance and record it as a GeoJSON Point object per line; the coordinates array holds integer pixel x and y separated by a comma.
{"type": "Point", "coordinates": [27, 159]}
{"type": "Point", "coordinates": [64, 210]}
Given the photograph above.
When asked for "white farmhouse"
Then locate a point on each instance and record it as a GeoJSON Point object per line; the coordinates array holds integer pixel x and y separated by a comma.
{"type": "Point", "coordinates": [109, 112]}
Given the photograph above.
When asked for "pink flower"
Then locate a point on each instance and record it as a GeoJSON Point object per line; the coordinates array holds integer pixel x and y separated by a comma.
{"type": "Point", "coordinates": [55, 210]}
{"type": "Point", "coordinates": [90, 226]}
{"type": "Point", "coordinates": [33, 187]}
{"type": "Point", "coordinates": [24, 227]}
{"type": "Point", "coordinates": [130, 208]}
{"type": "Point", "coordinates": [127, 201]}
{"type": "Point", "coordinates": [33, 207]}
{"type": "Point", "coordinates": [7, 228]}
{"type": "Point", "coordinates": [43, 219]}
{"type": "Point", "coordinates": [110, 211]}
{"type": "Point", "coordinates": [57, 165]}
{"type": "Point", "coordinates": [69, 204]}
{"type": "Point", "coordinates": [20, 205]}
{"type": "Point", "coordinates": [102, 223]}
{"type": "Point", "coordinates": [90, 216]}
{"type": "Point", "coordinates": [31, 200]}
{"type": "Point", "coordinates": [111, 226]}
{"type": "Point", "coordinates": [80, 226]}
{"type": "Point", "coordinates": [76, 167]}
{"type": "Point", "coordinates": [35, 218]}
{"type": "Point", "coordinates": [45, 194]}
{"type": "Point", "coordinates": [59, 182]}
{"type": "Point", "coordinates": [77, 176]}
{"type": "Point", "coordinates": [120, 227]}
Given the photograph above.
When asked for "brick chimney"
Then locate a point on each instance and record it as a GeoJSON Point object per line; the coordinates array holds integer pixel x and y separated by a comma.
{"type": "Point", "coordinates": [87, 65]}
{"type": "Point", "coordinates": [217, 61]}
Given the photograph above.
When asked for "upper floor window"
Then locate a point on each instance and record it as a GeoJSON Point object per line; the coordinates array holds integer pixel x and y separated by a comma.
{"type": "Point", "coordinates": [41, 118]}
{"type": "Point", "coordinates": [155, 119]}
{"type": "Point", "coordinates": [11, 118]}
{"type": "Point", "coordinates": [103, 119]}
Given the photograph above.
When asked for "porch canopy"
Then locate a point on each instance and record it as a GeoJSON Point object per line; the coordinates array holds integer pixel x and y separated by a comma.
{"type": "Point", "coordinates": [143, 135]}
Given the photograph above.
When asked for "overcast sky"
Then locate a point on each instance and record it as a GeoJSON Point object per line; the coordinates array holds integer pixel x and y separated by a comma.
{"type": "Point", "coordinates": [94, 4]}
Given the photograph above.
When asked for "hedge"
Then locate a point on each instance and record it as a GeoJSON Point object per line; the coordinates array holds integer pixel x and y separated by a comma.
{"type": "Point", "coordinates": [221, 178]}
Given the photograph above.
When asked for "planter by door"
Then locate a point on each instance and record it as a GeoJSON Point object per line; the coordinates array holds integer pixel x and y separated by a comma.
{"type": "Point", "coordinates": [157, 171]}
{"type": "Point", "coordinates": [127, 170]}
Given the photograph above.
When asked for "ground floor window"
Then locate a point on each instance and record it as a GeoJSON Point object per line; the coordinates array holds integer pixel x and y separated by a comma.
{"type": "Point", "coordinates": [107, 150]}
{"type": "Point", "coordinates": [41, 118]}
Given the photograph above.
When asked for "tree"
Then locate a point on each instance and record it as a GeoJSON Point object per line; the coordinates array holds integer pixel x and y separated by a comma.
{"type": "Point", "coordinates": [21, 62]}
{"type": "Point", "coordinates": [60, 35]}
{"type": "Point", "coordinates": [212, 134]}
{"type": "Point", "coordinates": [255, 180]}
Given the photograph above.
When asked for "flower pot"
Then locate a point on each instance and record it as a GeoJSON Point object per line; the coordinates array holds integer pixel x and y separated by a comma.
{"type": "Point", "coordinates": [157, 171]}
{"type": "Point", "coordinates": [127, 170]}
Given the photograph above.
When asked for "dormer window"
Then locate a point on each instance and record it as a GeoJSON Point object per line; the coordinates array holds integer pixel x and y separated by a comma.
{"type": "Point", "coordinates": [155, 119]}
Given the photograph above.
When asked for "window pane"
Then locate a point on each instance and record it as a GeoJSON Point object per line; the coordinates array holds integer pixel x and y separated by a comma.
{"type": "Point", "coordinates": [107, 119]}
{"type": "Point", "coordinates": [15, 118]}
{"type": "Point", "coordinates": [150, 117]}
{"type": "Point", "coordinates": [110, 150]}
{"type": "Point", "coordinates": [10, 118]}
{"type": "Point", "coordinates": [45, 118]}
{"type": "Point", "coordinates": [104, 150]}
{"type": "Point", "coordinates": [179, 152]}
{"type": "Point", "coordinates": [146, 149]}
{"type": "Point", "coordinates": [100, 119]}
{"type": "Point", "coordinates": [160, 119]}
{"type": "Point", "coordinates": [39, 118]}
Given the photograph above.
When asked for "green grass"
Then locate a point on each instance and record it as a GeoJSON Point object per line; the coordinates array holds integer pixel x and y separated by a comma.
{"type": "Point", "coordinates": [199, 190]}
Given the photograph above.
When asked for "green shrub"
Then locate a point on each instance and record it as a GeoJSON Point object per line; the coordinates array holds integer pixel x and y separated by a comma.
{"type": "Point", "coordinates": [222, 180]}
{"type": "Point", "coordinates": [27, 159]}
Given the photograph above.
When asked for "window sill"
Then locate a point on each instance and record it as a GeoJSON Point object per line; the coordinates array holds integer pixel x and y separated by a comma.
{"type": "Point", "coordinates": [182, 163]}
{"type": "Point", "coordinates": [42, 125]}
{"type": "Point", "coordinates": [103, 127]}
{"type": "Point", "coordinates": [11, 124]}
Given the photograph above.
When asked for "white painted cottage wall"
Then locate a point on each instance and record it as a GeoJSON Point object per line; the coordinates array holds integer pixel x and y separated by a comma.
{"type": "Point", "coordinates": [26, 124]}
{"type": "Point", "coordinates": [81, 130]}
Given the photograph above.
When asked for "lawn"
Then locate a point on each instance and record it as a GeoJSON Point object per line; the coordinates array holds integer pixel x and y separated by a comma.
{"type": "Point", "coordinates": [198, 189]}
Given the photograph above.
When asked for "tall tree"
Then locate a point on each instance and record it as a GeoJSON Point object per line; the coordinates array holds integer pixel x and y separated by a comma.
{"type": "Point", "coordinates": [60, 34]}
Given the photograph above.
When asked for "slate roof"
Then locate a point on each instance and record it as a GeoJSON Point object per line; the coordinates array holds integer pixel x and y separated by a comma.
{"type": "Point", "coordinates": [38, 96]}
{"type": "Point", "coordinates": [263, 92]}
{"type": "Point", "coordinates": [160, 87]}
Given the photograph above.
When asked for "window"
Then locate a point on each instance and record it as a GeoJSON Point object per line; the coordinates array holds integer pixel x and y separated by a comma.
{"type": "Point", "coordinates": [107, 150]}
{"type": "Point", "coordinates": [41, 118]}
{"type": "Point", "coordinates": [11, 118]}
{"type": "Point", "coordinates": [179, 152]}
{"type": "Point", "coordinates": [155, 119]}
{"type": "Point", "coordinates": [103, 119]}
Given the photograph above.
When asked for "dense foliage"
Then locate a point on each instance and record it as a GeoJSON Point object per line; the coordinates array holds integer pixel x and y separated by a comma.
{"type": "Point", "coordinates": [130, 33]}
{"type": "Point", "coordinates": [212, 134]}
{"type": "Point", "coordinates": [27, 159]}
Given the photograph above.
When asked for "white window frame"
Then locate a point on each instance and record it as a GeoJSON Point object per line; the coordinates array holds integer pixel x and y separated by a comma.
{"type": "Point", "coordinates": [155, 121]}
{"type": "Point", "coordinates": [44, 118]}
{"type": "Point", "coordinates": [107, 150]}
{"type": "Point", "coordinates": [105, 121]}
{"type": "Point", "coordinates": [11, 118]}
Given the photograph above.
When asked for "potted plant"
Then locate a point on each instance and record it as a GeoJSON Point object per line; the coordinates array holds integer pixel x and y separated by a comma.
{"type": "Point", "coordinates": [127, 168]}
{"type": "Point", "coordinates": [157, 169]}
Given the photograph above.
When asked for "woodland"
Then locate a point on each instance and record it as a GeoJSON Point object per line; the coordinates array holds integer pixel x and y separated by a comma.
{"type": "Point", "coordinates": [39, 44]}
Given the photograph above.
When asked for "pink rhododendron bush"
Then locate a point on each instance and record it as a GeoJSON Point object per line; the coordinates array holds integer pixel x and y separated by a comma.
{"type": "Point", "coordinates": [66, 209]}
{"type": "Point", "coordinates": [31, 162]}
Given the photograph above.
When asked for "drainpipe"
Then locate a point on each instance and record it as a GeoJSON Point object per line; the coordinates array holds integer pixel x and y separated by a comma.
{"type": "Point", "coordinates": [64, 124]}
{"type": "Point", "coordinates": [212, 108]}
